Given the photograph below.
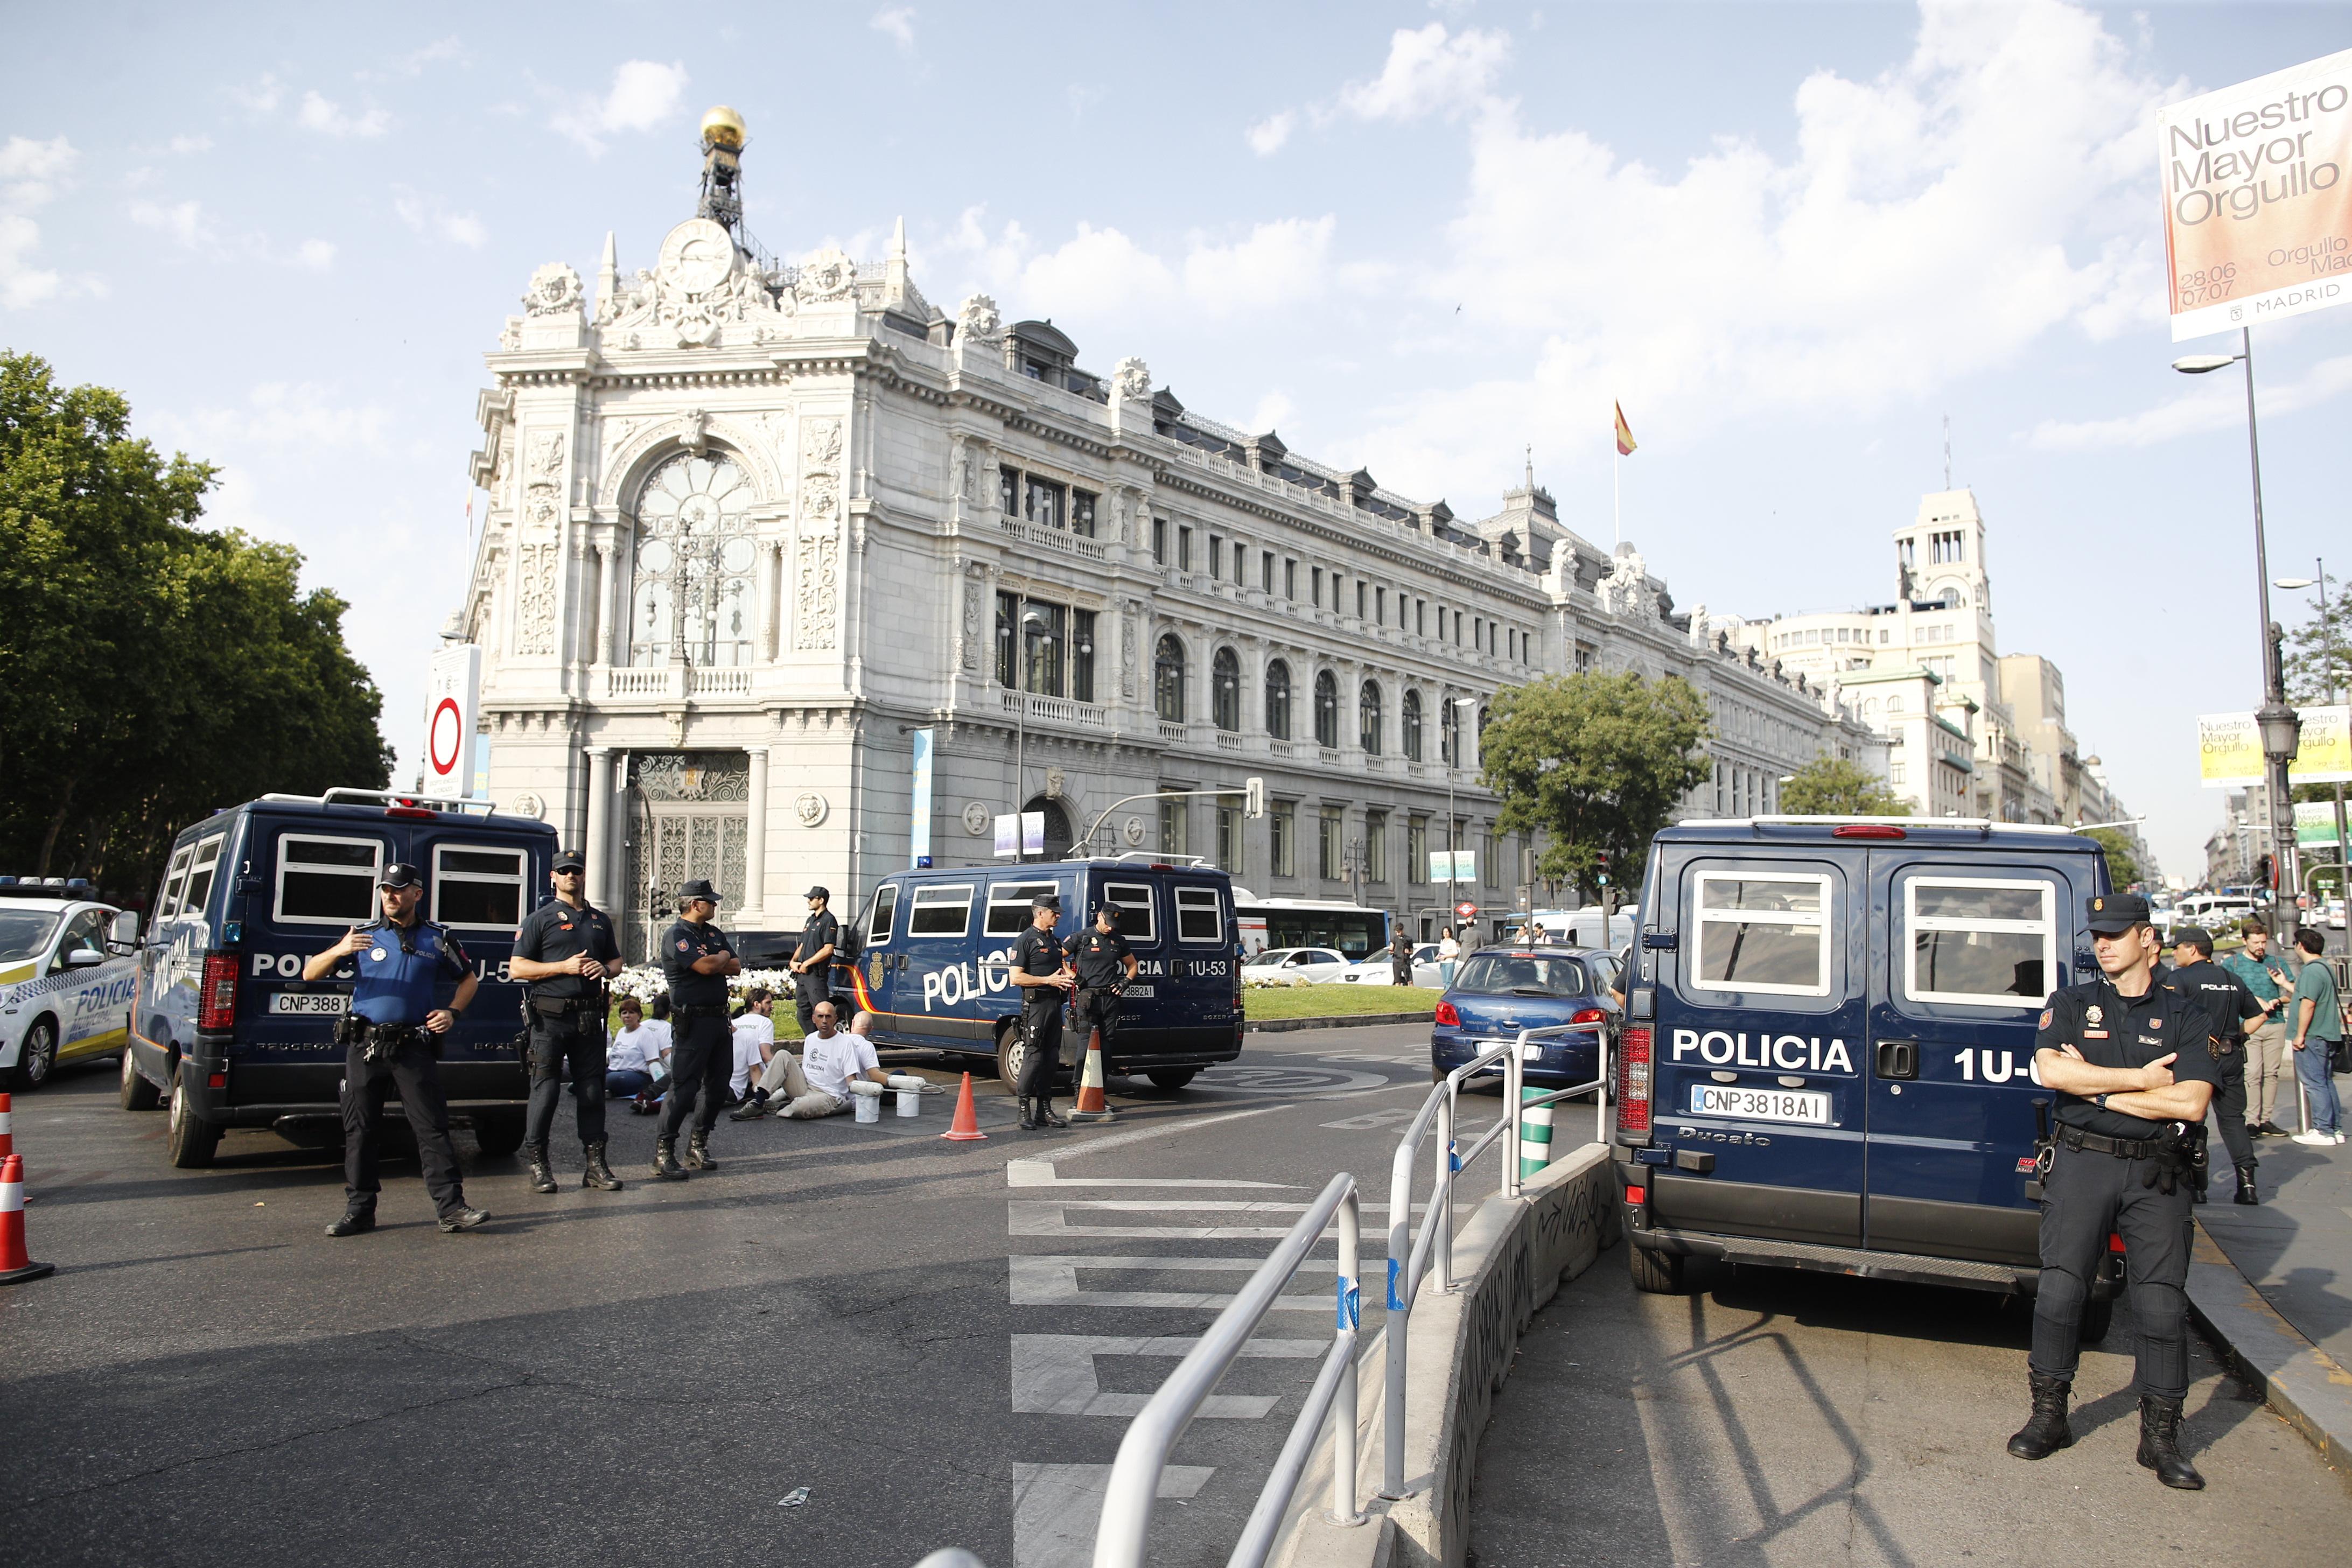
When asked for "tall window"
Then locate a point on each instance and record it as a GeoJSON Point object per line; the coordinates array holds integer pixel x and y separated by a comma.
{"type": "Point", "coordinates": [1082, 513]}
{"type": "Point", "coordinates": [1290, 579]}
{"type": "Point", "coordinates": [1183, 549]}
{"type": "Point", "coordinates": [1316, 582]}
{"type": "Point", "coordinates": [1226, 690]}
{"type": "Point", "coordinates": [692, 598]}
{"type": "Point", "coordinates": [1367, 717]}
{"type": "Point", "coordinates": [1172, 827]}
{"type": "Point", "coordinates": [1360, 598]}
{"type": "Point", "coordinates": [1376, 847]}
{"type": "Point", "coordinates": [1168, 679]}
{"type": "Point", "coordinates": [1330, 828]}
{"type": "Point", "coordinates": [1449, 732]}
{"type": "Point", "coordinates": [1044, 503]}
{"type": "Point", "coordinates": [1277, 699]}
{"type": "Point", "coordinates": [1282, 837]}
{"type": "Point", "coordinates": [1944, 547]}
{"type": "Point", "coordinates": [1217, 557]}
{"type": "Point", "coordinates": [1409, 719]}
{"type": "Point", "coordinates": [1416, 851]}
{"type": "Point", "coordinates": [1327, 708]}
{"type": "Point", "coordinates": [1160, 539]}
{"type": "Point", "coordinates": [1265, 572]}
{"type": "Point", "coordinates": [1229, 839]}
{"type": "Point", "coordinates": [1008, 492]}
{"type": "Point", "coordinates": [1082, 655]}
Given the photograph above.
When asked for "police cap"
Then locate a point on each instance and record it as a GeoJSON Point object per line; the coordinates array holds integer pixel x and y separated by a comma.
{"type": "Point", "coordinates": [818, 893]}
{"type": "Point", "coordinates": [1048, 901]}
{"type": "Point", "coordinates": [400, 874]}
{"type": "Point", "coordinates": [698, 889]}
{"type": "Point", "coordinates": [570, 860]}
{"type": "Point", "coordinates": [2112, 913]}
{"type": "Point", "coordinates": [2197, 937]}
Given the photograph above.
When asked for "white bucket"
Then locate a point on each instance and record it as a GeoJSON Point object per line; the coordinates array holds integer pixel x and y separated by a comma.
{"type": "Point", "coordinates": [909, 1090]}
{"type": "Point", "coordinates": [867, 1096]}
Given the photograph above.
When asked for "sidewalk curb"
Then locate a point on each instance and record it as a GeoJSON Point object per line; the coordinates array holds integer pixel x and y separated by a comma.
{"type": "Point", "coordinates": [1336, 1021]}
{"type": "Point", "coordinates": [2308, 1387]}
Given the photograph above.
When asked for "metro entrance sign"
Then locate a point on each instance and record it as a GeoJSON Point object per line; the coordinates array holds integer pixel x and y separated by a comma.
{"type": "Point", "coordinates": [1467, 911]}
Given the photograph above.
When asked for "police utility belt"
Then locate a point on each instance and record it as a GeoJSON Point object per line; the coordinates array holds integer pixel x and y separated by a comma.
{"type": "Point", "coordinates": [2121, 1148]}
{"type": "Point", "coordinates": [694, 1010]}
{"type": "Point", "coordinates": [378, 1042]}
{"type": "Point", "coordinates": [576, 1008]}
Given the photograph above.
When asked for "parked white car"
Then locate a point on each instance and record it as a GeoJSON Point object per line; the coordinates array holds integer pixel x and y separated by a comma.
{"type": "Point", "coordinates": [1378, 969]}
{"type": "Point", "coordinates": [1305, 966]}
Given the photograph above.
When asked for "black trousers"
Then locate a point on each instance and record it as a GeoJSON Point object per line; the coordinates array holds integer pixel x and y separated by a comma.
{"type": "Point", "coordinates": [701, 1060]}
{"type": "Point", "coordinates": [2229, 1107]}
{"type": "Point", "coordinates": [417, 1075]}
{"type": "Point", "coordinates": [1041, 1039]}
{"type": "Point", "coordinates": [1095, 1010]}
{"type": "Point", "coordinates": [2087, 1198]}
{"type": "Point", "coordinates": [808, 990]}
{"type": "Point", "coordinates": [557, 1044]}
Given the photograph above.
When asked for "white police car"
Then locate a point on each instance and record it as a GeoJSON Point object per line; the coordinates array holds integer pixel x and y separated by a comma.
{"type": "Point", "coordinates": [66, 977]}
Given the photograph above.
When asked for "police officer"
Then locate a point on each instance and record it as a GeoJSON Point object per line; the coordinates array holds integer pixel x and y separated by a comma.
{"type": "Point", "coordinates": [1041, 967]}
{"type": "Point", "coordinates": [562, 950]}
{"type": "Point", "coordinates": [2129, 1062]}
{"type": "Point", "coordinates": [697, 957]}
{"type": "Point", "coordinates": [813, 958]}
{"type": "Point", "coordinates": [2230, 1004]}
{"type": "Point", "coordinates": [393, 1034]}
{"type": "Point", "coordinates": [1104, 964]}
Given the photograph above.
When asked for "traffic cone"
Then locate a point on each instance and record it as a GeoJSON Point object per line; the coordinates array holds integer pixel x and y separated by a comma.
{"type": "Point", "coordinates": [8, 1134]}
{"type": "Point", "coordinates": [15, 1266]}
{"type": "Point", "coordinates": [1092, 1105]}
{"type": "Point", "coordinates": [967, 1118]}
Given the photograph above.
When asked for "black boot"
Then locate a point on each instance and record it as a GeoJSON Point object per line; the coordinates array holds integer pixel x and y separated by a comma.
{"type": "Point", "coordinates": [2046, 1432]}
{"type": "Point", "coordinates": [2246, 1193]}
{"type": "Point", "coordinates": [1046, 1117]}
{"type": "Point", "coordinates": [542, 1177]}
{"type": "Point", "coordinates": [2160, 1444]}
{"type": "Point", "coordinates": [1028, 1115]}
{"type": "Point", "coordinates": [698, 1154]}
{"type": "Point", "coordinates": [666, 1165]}
{"type": "Point", "coordinates": [355, 1222]}
{"type": "Point", "coordinates": [598, 1174]}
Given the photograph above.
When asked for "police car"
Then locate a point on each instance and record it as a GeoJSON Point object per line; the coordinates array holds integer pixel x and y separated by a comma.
{"type": "Point", "coordinates": [66, 977]}
{"type": "Point", "coordinates": [1828, 1058]}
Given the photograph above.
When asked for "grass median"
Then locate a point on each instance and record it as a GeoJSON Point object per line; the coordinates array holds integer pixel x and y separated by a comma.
{"type": "Point", "coordinates": [1262, 1002]}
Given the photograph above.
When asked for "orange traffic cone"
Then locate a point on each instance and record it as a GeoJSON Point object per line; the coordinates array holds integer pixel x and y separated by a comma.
{"type": "Point", "coordinates": [8, 1131]}
{"type": "Point", "coordinates": [15, 1265]}
{"type": "Point", "coordinates": [967, 1118]}
{"type": "Point", "coordinates": [1092, 1104]}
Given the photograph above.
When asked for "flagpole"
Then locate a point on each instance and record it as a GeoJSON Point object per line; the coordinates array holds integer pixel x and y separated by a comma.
{"type": "Point", "coordinates": [1616, 493]}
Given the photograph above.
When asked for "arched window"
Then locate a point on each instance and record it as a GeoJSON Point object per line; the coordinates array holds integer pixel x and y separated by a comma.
{"type": "Point", "coordinates": [1953, 599]}
{"type": "Point", "coordinates": [1277, 699]}
{"type": "Point", "coordinates": [1409, 721]}
{"type": "Point", "coordinates": [1449, 732]}
{"type": "Point", "coordinates": [1226, 690]}
{"type": "Point", "coordinates": [1327, 708]}
{"type": "Point", "coordinates": [1367, 717]}
{"type": "Point", "coordinates": [1168, 679]}
{"type": "Point", "coordinates": [692, 593]}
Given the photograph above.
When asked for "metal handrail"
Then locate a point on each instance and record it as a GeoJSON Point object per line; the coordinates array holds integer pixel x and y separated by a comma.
{"type": "Point", "coordinates": [1120, 1539]}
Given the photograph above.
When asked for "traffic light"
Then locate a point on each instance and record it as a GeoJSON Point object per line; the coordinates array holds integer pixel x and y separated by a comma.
{"type": "Point", "coordinates": [1253, 797]}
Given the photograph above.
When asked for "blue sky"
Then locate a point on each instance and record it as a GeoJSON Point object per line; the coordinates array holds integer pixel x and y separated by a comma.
{"type": "Point", "coordinates": [1790, 239]}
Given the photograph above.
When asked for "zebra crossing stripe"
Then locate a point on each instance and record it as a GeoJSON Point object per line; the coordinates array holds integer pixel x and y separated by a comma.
{"type": "Point", "coordinates": [1053, 1375]}
{"type": "Point", "coordinates": [1052, 1281]}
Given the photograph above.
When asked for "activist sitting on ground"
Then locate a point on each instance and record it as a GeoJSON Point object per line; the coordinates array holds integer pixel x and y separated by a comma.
{"type": "Point", "coordinates": [817, 1084]}
{"type": "Point", "coordinates": [638, 1058]}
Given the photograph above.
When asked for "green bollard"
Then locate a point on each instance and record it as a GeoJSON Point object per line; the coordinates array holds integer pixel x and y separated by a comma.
{"type": "Point", "coordinates": [1535, 1134]}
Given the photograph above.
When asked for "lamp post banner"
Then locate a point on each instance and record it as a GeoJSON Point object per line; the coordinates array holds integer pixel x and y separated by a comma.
{"type": "Point", "coordinates": [2326, 753]}
{"type": "Point", "coordinates": [2228, 750]}
{"type": "Point", "coordinates": [2258, 198]}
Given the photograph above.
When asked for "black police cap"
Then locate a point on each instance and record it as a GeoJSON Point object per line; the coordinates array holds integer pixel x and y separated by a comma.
{"type": "Point", "coordinates": [2197, 937]}
{"type": "Point", "coordinates": [698, 889]}
{"type": "Point", "coordinates": [570, 860]}
{"type": "Point", "coordinates": [2112, 913]}
{"type": "Point", "coordinates": [1048, 901]}
{"type": "Point", "coordinates": [400, 874]}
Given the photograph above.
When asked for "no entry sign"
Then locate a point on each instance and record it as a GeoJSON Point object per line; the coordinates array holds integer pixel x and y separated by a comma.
{"type": "Point", "coordinates": [452, 713]}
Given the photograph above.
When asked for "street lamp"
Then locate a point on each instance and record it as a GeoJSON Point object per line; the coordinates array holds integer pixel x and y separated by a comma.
{"type": "Point", "coordinates": [1031, 618]}
{"type": "Point", "coordinates": [2327, 666]}
{"type": "Point", "coordinates": [2281, 727]}
{"type": "Point", "coordinates": [1453, 761]}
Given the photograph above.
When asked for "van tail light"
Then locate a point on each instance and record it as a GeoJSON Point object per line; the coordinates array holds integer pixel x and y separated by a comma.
{"type": "Point", "coordinates": [1868, 830]}
{"type": "Point", "coordinates": [1589, 1015]}
{"type": "Point", "coordinates": [217, 997]}
{"type": "Point", "coordinates": [1633, 1083]}
{"type": "Point", "coordinates": [1448, 1016]}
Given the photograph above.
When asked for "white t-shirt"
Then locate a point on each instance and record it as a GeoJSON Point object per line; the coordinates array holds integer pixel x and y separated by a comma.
{"type": "Point", "coordinates": [828, 1064]}
{"type": "Point", "coordinates": [751, 1032]}
{"type": "Point", "coordinates": [639, 1049]}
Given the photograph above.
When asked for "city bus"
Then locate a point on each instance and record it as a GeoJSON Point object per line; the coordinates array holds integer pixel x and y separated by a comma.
{"type": "Point", "coordinates": [1354, 930]}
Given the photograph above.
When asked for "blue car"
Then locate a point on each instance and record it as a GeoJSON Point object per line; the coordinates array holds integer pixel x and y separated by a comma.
{"type": "Point", "coordinates": [1498, 991]}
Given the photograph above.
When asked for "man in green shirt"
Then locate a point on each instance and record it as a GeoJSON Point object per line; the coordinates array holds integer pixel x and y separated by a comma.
{"type": "Point", "coordinates": [2268, 1069]}
{"type": "Point", "coordinates": [2315, 1022]}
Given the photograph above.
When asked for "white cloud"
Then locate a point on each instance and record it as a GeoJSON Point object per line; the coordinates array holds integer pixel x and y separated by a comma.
{"type": "Point", "coordinates": [186, 146]}
{"type": "Point", "coordinates": [317, 254]}
{"type": "Point", "coordinates": [327, 117]}
{"type": "Point", "coordinates": [427, 216]}
{"type": "Point", "coordinates": [1266, 137]}
{"type": "Point", "coordinates": [261, 96]}
{"type": "Point", "coordinates": [30, 171]}
{"type": "Point", "coordinates": [1429, 72]}
{"type": "Point", "coordinates": [1105, 272]}
{"type": "Point", "coordinates": [182, 221]}
{"type": "Point", "coordinates": [643, 94]}
{"type": "Point", "coordinates": [2197, 413]}
{"type": "Point", "coordinates": [187, 225]}
{"type": "Point", "coordinates": [301, 415]}
{"type": "Point", "coordinates": [899, 21]}
{"type": "Point", "coordinates": [1278, 263]}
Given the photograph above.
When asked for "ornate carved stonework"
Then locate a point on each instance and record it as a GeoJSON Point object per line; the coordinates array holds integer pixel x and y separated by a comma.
{"type": "Point", "coordinates": [1127, 653]}
{"type": "Point", "coordinates": [820, 471]}
{"type": "Point", "coordinates": [697, 290]}
{"type": "Point", "coordinates": [699, 776]}
{"type": "Point", "coordinates": [809, 807]}
{"type": "Point", "coordinates": [977, 321]}
{"type": "Point", "coordinates": [817, 587]}
{"type": "Point", "coordinates": [968, 639]}
{"type": "Point", "coordinates": [1625, 591]}
{"type": "Point", "coordinates": [975, 819]}
{"type": "Point", "coordinates": [554, 290]}
{"type": "Point", "coordinates": [535, 599]}
{"type": "Point", "coordinates": [1131, 379]}
{"type": "Point", "coordinates": [544, 475]}
{"type": "Point", "coordinates": [826, 275]}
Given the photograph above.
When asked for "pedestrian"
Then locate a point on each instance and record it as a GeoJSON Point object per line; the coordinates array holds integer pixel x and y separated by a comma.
{"type": "Point", "coordinates": [1400, 957]}
{"type": "Point", "coordinates": [2230, 1007]}
{"type": "Point", "coordinates": [812, 964]}
{"type": "Point", "coordinates": [2132, 1075]}
{"type": "Point", "coordinates": [1448, 951]}
{"type": "Point", "coordinates": [633, 1062]}
{"type": "Point", "coordinates": [1041, 967]}
{"type": "Point", "coordinates": [393, 1034]}
{"type": "Point", "coordinates": [1105, 966]}
{"type": "Point", "coordinates": [2269, 1066]}
{"type": "Point", "coordinates": [563, 951]}
{"type": "Point", "coordinates": [697, 957]}
{"type": "Point", "coordinates": [2314, 1024]}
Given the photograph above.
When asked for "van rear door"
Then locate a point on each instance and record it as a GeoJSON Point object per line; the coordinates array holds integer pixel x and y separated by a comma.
{"type": "Point", "coordinates": [479, 882]}
{"type": "Point", "coordinates": [872, 978]}
{"type": "Point", "coordinates": [313, 879]}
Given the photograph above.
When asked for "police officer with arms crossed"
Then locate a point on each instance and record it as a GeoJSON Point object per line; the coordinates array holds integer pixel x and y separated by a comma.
{"type": "Point", "coordinates": [2230, 1007]}
{"type": "Point", "coordinates": [697, 957]}
{"type": "Point", "coordinates": [813, 958]}
{"type": "Point", "coordinates": [2128, 1059]}
{"type": "Point", "coordinates": [1105, 966]}
{"type": "Point", "coordinates": [392, 1031]}
{"type": "Point", "coordinates": [562, 950]}
{"type": "Point", "coordinates": [1041, 967]}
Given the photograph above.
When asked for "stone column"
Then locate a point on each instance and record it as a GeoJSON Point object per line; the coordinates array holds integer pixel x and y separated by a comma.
{"type": "Point", "coordinates": [600, 614]}
{"type": "Point", "coordinates": [755, 841]}
{"type": "Point", "coordinates": [599, 848]}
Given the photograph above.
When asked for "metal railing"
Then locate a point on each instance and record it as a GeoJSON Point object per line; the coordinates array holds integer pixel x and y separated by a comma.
{"type": "Point", "coordinates": [1120, 1539]}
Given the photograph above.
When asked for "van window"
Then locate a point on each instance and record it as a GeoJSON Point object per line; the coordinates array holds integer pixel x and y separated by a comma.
{"type": "Point", "coordinates": [198, 897]}
{"type": "Point", "coordinates": [885, 906]}
{"type": "Point", "coordinates": [325, 881]}
{"type": "Point", "coordinates": [1008, 906]}
{"type": "Point", "coordinates": [941, 911]}
{"type": "Point", "coordinates": [176, 883]}
{"type": "Point", "coordinates": [1200, 915]}
{"type": "Point", "coordinates": [1134, 902]}
{"type": "Point", "coordinates": [1985, 942]}
{"type": "Point", "coordinates": [476, 888]}
{"type": "Point", "coordinates": [1763, 932]}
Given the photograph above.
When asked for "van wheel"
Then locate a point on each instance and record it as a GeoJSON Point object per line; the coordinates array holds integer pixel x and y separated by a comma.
{"type": "Point", "coordinates": [36, 1057]}
{"type": "Point", "coordinates": [191, 1141]}
{"type": "Point", "coordinates": [497, 1133]}
{"type": "Point", "coordinates": [138, 1092]}
{"type": "Point", "coordinates": [1655, 1273]}
{"type": "Point", "coordinates": [1171, 1079]}
{"type": "Point", "coordinates": [2098, 1316]}
{"type": "Point", "coordinates": [1010, 1052]}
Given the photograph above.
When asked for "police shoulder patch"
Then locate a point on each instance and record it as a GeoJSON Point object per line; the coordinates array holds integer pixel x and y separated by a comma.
{"type": "Point", "coordinates": [683, 944]}
{"type": "Point", "coordinates": [2047, 1014]}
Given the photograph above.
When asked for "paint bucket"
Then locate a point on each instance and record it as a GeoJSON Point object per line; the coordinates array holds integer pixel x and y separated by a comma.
{"type": "Point", "coordinates": [867, 1096]}
{"type": "Point", "coordinates": [910, 1090]}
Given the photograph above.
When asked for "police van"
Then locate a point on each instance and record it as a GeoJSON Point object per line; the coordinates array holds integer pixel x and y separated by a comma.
{"type": "Point", "coordinates": [1827, 1061]}
{"type": "Point", "coordinates": [225, 1027]}
{"type": "Point", "coordinates": [66, 977]}
{"type": "Point", "coordinates": [934, 949]}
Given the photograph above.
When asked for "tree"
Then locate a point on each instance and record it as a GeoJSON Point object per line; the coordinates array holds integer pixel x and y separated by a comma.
{"type": "Point", "coordinates": [2321, 652]}
{"type": "Point", "coordinates": [150, 669]}
{"type": "Point", "coordinates": [1594, 764]}
{"type": "Point", "coordinates": [1832, 786]}
{"type": "Point", "coordinates": [2123, 866]}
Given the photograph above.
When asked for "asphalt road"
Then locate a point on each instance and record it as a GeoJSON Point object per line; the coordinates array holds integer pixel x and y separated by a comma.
{"type": "Point", "coordinates": [934, 1339]}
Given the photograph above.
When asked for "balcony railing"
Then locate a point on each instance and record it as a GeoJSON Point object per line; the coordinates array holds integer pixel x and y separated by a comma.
{"type": "Point", "coordinates": [1061, 539]}
{"type": "Point", "coordinates": [671, 680]}
{"type": "Point", "coordinates": [1045, 710]}
{"type": "Point", "coordinates": [1173, 735]}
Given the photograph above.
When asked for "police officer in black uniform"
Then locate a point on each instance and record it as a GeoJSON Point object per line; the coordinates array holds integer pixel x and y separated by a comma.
{"type": "Point", "coordinates": [1041, 967]}
{"type": "Point", "coordinates": [813, 958]}
{"type": "Point", "coordinates": [697, 957]}
{"type": "Point", "coordinates": [393, 1032]}
{"type": "Point", "coordinates": [562, 951]}
{"type": "Point", "coordinates": [1105, 964]}
{"type": "Point", "coordinates": [2230, 1004]}
{"type": "Point", "coordinates": [2133, 1072]}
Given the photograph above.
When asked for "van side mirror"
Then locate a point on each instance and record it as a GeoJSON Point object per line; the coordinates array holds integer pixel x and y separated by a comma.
{"type": "Point", "coordinates": [125, 931]}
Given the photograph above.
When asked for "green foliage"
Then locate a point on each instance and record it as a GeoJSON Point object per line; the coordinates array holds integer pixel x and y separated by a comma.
{"type": "Point", "coordinates": [1832, 786]}
{"type": "Point", "coordinates": [1595, 763]}
{"type": "Point", "coordinates": [2319, 653]}
{"type": "Point", "coordinates": [2123, 866]}
{"type": "Point", "coordinates": [151, 670]}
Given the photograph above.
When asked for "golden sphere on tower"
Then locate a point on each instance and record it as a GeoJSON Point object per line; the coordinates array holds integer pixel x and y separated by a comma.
{"type": "Point", "coordinates": [722, 127]}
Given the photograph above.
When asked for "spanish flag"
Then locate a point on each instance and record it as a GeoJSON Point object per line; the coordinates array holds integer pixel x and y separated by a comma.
{"type": "Point", "coordinates": [1624, 432]}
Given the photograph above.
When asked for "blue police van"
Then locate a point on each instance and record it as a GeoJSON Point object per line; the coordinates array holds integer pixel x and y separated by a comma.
{"type": "Point", "coordinates": [1827, 1061]}
{"type": "Point", "coordinates": [222, 1023]}
{"type": "Point", "coordinates": [933, 951]}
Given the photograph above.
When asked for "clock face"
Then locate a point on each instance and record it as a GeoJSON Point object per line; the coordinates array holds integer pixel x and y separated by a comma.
{"type": "Point", "coordinates": [698, 255]}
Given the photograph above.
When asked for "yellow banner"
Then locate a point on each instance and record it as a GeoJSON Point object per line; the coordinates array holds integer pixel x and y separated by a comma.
{"type": "Point", "coordinates": [2326, 756]}
{"type": "Point", "coordinates": [2230, 749]}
